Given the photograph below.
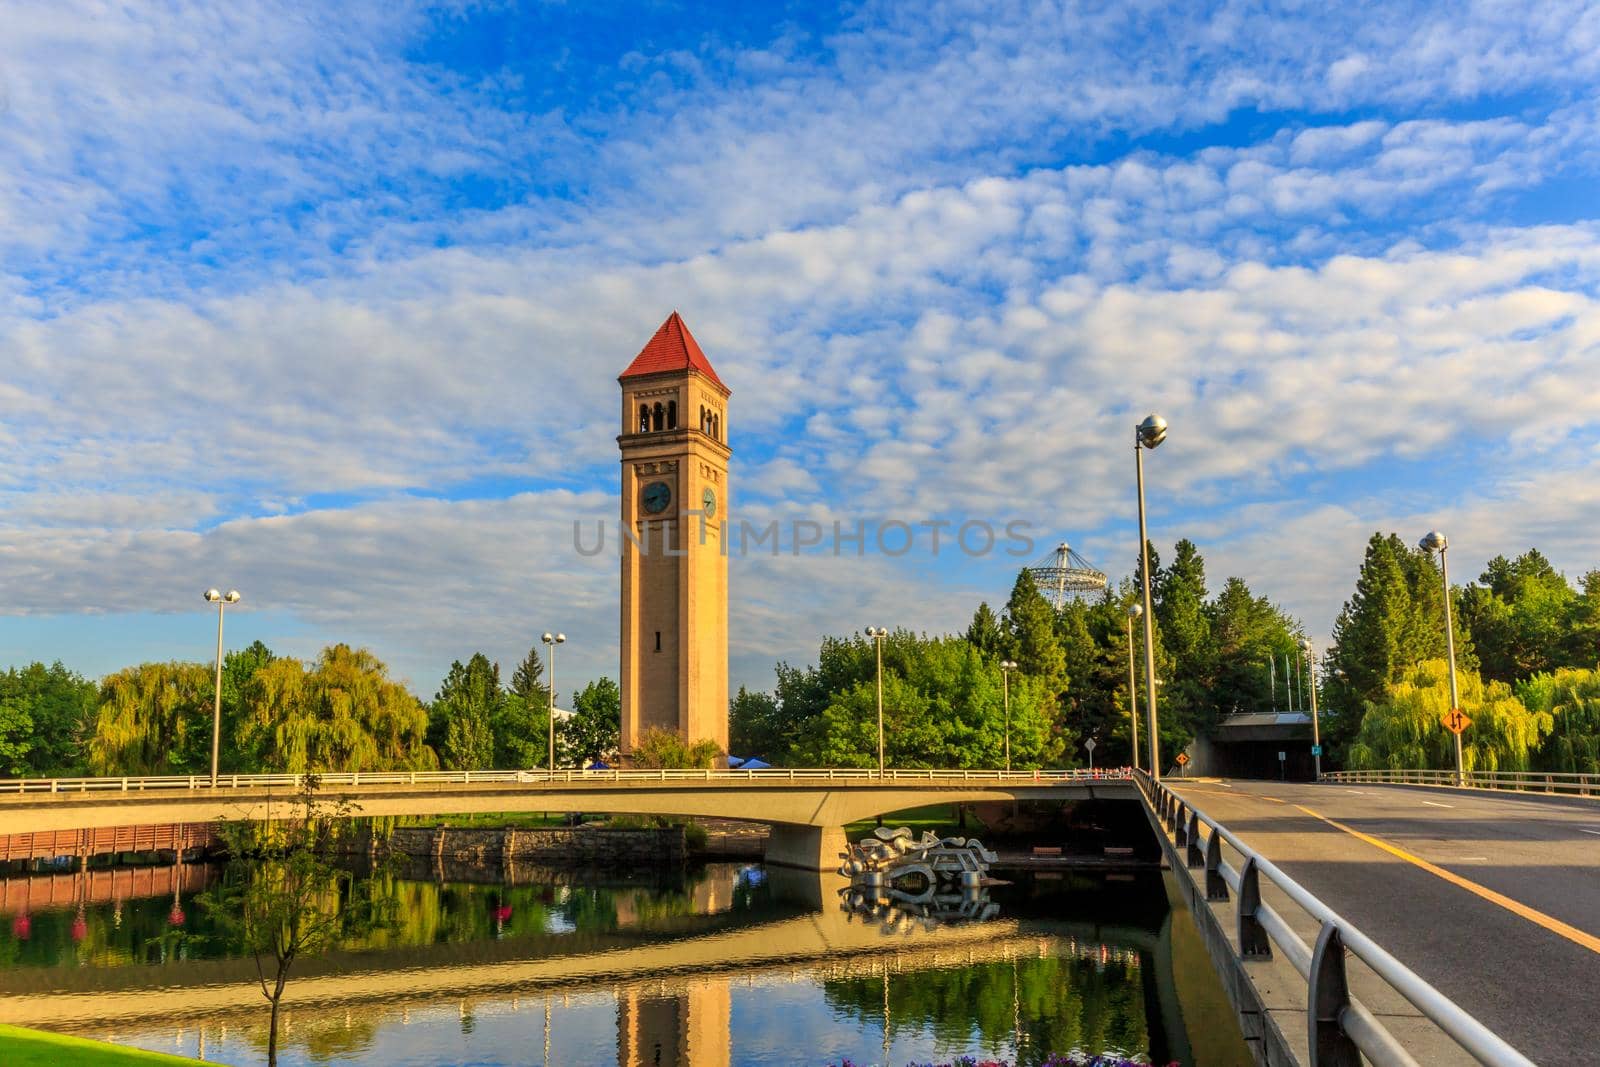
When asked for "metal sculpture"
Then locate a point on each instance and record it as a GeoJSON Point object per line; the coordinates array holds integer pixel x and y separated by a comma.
{"type": "Point", "coordinates": [890, 856]}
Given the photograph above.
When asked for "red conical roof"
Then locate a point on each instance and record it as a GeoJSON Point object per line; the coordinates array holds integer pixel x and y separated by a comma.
{"type": "Point", "coordinates": [673, 348]}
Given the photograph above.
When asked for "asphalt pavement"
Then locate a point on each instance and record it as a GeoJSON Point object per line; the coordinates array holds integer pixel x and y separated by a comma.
{"type": "Point", "coordinates": [1527, 966]}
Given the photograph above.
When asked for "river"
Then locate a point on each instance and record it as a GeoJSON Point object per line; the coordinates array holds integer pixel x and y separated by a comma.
{"type": "Point", "coordinates": [725, 964]}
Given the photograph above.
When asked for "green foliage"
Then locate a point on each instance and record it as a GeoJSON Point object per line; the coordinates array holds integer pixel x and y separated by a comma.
{"type": "Point", "coordinates": [757, 727]}
{"type": "Point", "coordinates": [280, 899]}
{"type": "Point", "coordinates": [1404, 730]}
{"type": "Point", "coordinates": [943, 707]}
{"type": "Point", "coordinates": [461, 721]}
{"type": "Point", "coordinates": [985, 632]}
{"type": "Point", "coordinates": [595, 729]}
{"type": "Point", "coordinates": [1247, 631]}
{"type": "Point", "coordinates": [153, 719]}
{"type": "Point", "coordinates": [1522, 617]}
{"type": "Point", "coordinates": [343, 714]}
{"type": "Point", "coordinates": [1030, 635]}
{"type": "Point", "coordinates": [1394, 620]}
{"type": "Point", "coordinates": [1062, 1002]}
{"type": "Point", "coordinates": [1571, 697]}
{"type": "Point", "coordinates": [45, 714]}
{"type": "Point", "coordinates": [663, 748]}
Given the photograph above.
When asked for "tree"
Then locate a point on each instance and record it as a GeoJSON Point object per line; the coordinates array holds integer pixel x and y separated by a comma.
{"type": "Point", "coordinates": [757, 726]}
{"type": "Point", "coordinates": [45, 717]}
{"type": "Point", "coordinates": [1030, 631]}
{"type": "Point", "coordinates": [1248, 631]}
{"type": "Point", "coordinates": [595, 729]}
{"type": "Point", "coordinates": [461, 721]}
{"type": "Point", "coordinates": [344, 714]}
{"type": "Point", "coordinates": [985, 632]}
{"type": "Point", "coordinates": [153, 719]}
{"type": "Point", "coordinates": [1571, 697]}
{"type": "Point", "coordinates": [527, 681]}
{"type": "Point", "coordinates": [1403, 730]}
{"type": "Point", "coordinates": [282, 897]}
{"type": "Point", "coordinates": [658, 748]}
{"type": "Point", "coordinates": [1185, 624]}
{"type": "Point", "coordinates": [1520, 617]}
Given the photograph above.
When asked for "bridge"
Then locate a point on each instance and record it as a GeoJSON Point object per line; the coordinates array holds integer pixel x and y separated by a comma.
{"type": "Point", "coordinates": [807, 809]}
{"type": "Point", "coordinates": [1404, 923]}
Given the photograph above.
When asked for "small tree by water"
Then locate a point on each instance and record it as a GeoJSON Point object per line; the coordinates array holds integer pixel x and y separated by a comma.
{"type": "Point", "coordinates": [282, 897]}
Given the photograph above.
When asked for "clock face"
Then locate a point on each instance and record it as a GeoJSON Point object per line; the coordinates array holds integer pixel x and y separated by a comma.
{"type": "Point", "coordinates": [655, 497]}
{"type": "Point", "coordinates": [708, 502]}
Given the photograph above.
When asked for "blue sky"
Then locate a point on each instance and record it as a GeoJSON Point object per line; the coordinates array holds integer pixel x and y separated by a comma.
{"type": "Point", "coordinates": [328, 306]}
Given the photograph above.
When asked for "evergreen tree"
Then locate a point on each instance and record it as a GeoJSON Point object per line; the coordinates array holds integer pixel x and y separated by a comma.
{"type": "Point", "coordinates": [985, 632]}
{"type": "Point", "coordinates": [1030, 632]}
{"type": "Point", "coordinates": [460, 723]}
{"type": "Point", "coordinates": [527, 681]}
{"type": "Point", "coordinates": [1249, 631]}
{"type": "Point", "coordinates": [1373, 639]}
{"type": "Point", "coordinates": [1185, 626]}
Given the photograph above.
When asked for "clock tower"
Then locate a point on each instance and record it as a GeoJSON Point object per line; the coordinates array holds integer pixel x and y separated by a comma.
{"type": "Point", "coordinates": [674, 560]}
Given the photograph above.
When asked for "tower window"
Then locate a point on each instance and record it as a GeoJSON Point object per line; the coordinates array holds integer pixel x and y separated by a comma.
{"type": "Point", "coordinates": [644, 418]}
{"type": "Point", "coordinates": [659, 418]}
{"type": "Point", "coordinates": [658, 640]}
{"type": "Point", "coordinates": [716, 427]}
{"type": "Point", "coordinates": [672, 414]}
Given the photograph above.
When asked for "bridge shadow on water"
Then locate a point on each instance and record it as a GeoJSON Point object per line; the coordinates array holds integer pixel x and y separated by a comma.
{"type": "Point", "coordinates": [720, 964]}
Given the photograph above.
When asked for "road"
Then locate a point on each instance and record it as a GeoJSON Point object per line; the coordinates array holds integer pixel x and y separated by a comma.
{"type": "Point", "coordinates": [1492, 898]}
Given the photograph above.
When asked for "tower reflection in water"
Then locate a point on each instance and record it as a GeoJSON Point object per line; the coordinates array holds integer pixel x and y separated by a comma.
{"type": "Point", "coordinates": [736, 963]}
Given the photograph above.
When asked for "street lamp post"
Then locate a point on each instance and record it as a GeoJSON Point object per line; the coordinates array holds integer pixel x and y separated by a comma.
{"type": "Point", "coordinates": [1134, 611]}
{"type": "Point", "coordinates": [1435, 541]}
{"type": "Point", "coordinates": [1006, 667]}
{"type": "Point", "coordinates": [1148, 435]}
{"type": "Point", "coordinates": [1316, 729]}
{"type": "Point", "coordinates": [878, 634]}
{"type": "Point", "coordinates": [221, 600]}
{"type": "Point", "coordinates": [550, 642]}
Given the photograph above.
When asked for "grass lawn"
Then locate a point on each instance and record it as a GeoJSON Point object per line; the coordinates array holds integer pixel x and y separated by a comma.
{"type": "Point", "coordinates": [940, 818]}
{"type": "Point", "coordinates": [40, 1048]}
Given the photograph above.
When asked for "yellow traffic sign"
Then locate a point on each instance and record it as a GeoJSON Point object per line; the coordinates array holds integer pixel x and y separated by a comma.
{"type": "Point", "coordinates": [1183, 757]}
{"type": "Point", "coordinates": [1455, 720]}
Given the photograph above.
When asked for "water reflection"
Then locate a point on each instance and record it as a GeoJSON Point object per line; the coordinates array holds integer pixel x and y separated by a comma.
{"type": "Point", "coordinates": [730, 964]}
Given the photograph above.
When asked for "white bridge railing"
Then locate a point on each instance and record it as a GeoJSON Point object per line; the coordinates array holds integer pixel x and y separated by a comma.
{"type": "Point", "coordinates": [843, 776]}
{"type": "Point", "coordinates": [1338, 1025]}
{"type": "Point", "coordinates": [1585, 785]}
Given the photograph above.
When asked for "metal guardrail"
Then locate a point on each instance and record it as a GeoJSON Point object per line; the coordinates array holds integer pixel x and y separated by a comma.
{"type": "Point", "coordinates": [1559, 782]}
{"type": "Point", "coordinates": [837, 775]}
{"type": "Point", "coordinates": [1339, 1026]}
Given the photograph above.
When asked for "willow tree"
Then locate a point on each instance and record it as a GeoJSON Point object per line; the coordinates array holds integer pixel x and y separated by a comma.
{"type": "Point", "coordinates": [1404, 731]}
{"type": "Point", "coordinates": [153, 719]}
{"type": "Point", "coordinates": [342, 714]}
{"type": "Point", "coordinates": [1572, 699]}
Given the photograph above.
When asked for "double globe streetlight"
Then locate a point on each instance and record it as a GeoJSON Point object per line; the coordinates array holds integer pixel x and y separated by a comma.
{"type": "Point", "coordinates": [1148, 435]}
{"type": "Point", "coordinates": [550, 642]}
{"type": "Point", "coordinates": [221, 600]}
{"type": "Point", "coordinates": [1432, 542]}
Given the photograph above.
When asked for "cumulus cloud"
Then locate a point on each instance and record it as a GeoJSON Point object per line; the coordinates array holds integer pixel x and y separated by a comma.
{"type": "Point", "coordinates": [264, 319]}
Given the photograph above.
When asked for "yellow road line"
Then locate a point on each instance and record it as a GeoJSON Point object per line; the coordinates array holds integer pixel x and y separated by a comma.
{"type": "Point", "coordinates": [1539, 918]}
